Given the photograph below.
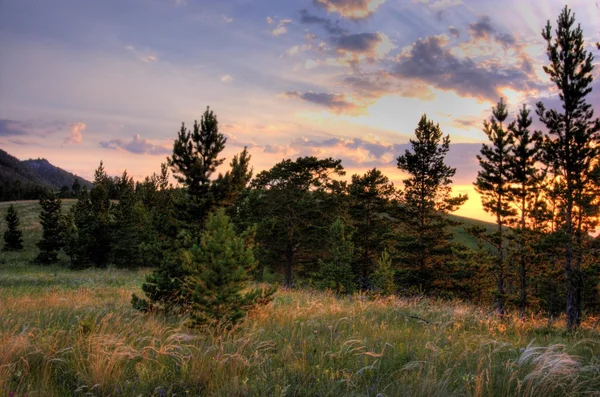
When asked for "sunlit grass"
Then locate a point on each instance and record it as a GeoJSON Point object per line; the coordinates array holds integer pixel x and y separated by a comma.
{"type": "Point", "coordinates": [61, 338]}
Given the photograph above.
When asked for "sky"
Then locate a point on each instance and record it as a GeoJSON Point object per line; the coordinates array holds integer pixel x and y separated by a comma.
{"type": "Point", "coordinates": [112, 80]}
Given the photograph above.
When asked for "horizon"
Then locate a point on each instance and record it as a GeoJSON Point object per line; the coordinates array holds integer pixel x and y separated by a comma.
{"type": "Point", "coordinates": [347, 79]}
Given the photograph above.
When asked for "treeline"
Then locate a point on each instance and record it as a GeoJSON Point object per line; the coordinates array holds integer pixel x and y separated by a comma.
{"type": "Point", "coordinates": [300, 224]}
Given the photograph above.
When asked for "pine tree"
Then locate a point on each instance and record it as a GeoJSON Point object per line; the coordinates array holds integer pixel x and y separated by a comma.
{"type": "Point", "coordinates": [525, 193]}
{"type": "Point", "coordinates": [100, 227]}
{"type": "Point", "coordinates": [336, 271]}
{"type": "Point", "coordinates": [370, 197]}
{"type": "Point", "coordinates": [426, 203]}
{"type": "Point", "coordinates": [383, 277]}
{"type": "Point", "coordinates": [493, 184]}
{"type": "Point", "coordinates": [126, 236]}
{"type": "Point", "coordinates": [13, 237]}
{"type": "Point", "coordinates": [571, 146]}
{"type": "Point", "coordinates": [52, 233]}
{"type": "Point", "coordinates": [218, 273]}
{"type": "Point", "coordinates": [195, 158]}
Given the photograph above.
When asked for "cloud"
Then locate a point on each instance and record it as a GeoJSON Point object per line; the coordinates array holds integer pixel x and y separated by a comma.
{"type": "Point", "coordinates": [454, 32]}
{"type": "Point", "coordinates": [333, 28]}
{"type": "Point", "coordinates": [270, 21]}
{"type": "Point", "coordinates": [179, 3]}
{"type": "Point", "coordinates": [281, 27]}
{"type": "Point", "coordinates": [335, 102]}
{"type": "Point", "coordinates": [144, 56]}
{"type": "Point", "coordinates": [137, 145]}
{"type": "Point", "coordinates": [13, 128]}
{"type": "Point", "coordinates": [363, 45]}
{"type": "Point", "coordinates": [482, 29]}
{"type": "Point", "coordinates": [226, 18]}
{"type": "Point", "coordinates": [430, 61]}
{"type": "Point", "coordinates": [226, 78]}
{"type": "Point", "coordinates": [352, 9]}
{"type": "Point", "coordinates": [76, 134]}
{"type": "Point", "coordinates": [30, 127]}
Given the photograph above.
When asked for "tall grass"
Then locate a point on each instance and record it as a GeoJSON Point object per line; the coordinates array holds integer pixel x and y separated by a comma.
{"type": "Point", "coordinates": [60, 339]}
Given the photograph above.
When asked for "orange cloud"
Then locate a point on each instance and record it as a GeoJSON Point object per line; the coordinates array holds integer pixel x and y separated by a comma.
{"type": "Point", "coordinates": [76, 136]}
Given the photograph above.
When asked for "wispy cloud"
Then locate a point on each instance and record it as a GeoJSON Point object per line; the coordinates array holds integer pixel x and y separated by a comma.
{"type": "Point", "coordinates": [136, 145]}
{"type": "Point", "coordinates": [76, 135]}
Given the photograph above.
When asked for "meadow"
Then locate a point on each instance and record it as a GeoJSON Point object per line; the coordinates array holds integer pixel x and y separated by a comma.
{"type": "Point", "coordinates": [66, 333]}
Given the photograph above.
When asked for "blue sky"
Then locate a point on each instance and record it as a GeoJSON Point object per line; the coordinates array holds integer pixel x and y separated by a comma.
{"type": "Point", "coordinates": [82, 81]}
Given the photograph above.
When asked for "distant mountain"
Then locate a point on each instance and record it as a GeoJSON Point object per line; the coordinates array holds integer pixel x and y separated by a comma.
{"type": "Point", "coordinates": [23, 180]}
{"type": "Point", "coordinates": [55, 176]}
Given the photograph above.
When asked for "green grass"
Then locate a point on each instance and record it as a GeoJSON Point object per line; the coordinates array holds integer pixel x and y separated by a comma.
{"type": "Point", "coordinates": [66, 333]}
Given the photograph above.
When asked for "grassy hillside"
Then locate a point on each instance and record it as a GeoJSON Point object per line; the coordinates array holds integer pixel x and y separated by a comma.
{"type": "Point", "coordinates": [74, 333]}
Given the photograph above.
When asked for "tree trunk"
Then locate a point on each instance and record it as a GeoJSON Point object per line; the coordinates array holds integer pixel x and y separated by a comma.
{"type": "Point", "coordinates": [289, 257]}
{"type": "Point", "coordinates": [572, 309]}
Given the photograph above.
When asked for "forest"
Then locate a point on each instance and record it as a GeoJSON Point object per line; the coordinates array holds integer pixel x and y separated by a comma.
{"type": "Point", "coordinates": [217, 248]}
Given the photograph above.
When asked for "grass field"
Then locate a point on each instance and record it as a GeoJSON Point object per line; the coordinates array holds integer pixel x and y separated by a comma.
{"type": "Point", "coordinates": [66, 333]}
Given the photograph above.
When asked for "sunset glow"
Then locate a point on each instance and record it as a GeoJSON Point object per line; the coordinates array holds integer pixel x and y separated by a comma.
{"type": "Point", "coordinates": [112, 80]}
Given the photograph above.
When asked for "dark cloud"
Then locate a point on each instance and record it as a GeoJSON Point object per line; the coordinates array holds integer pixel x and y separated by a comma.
{"type": "Point", "coordinates": [40, 128]}
{"type": "Point", "coordinates": [358, 43]}
{"type": "Point", "coordinates": [454, 32]}
{"type": "Point", "coordinates": [430, 62]}
{"type": "Point", "coordinates": [335, 102]}
{"type": "Point", "coordinates": [352, 9]}
{"type": "Point", "coordinates": [483, 29]}
{"type": "Point", "coordinates": [12, 128]}
{"type": "Point", "coordinates": [137, 145]}
{"type": "Point", "coordinates": [331, 27]}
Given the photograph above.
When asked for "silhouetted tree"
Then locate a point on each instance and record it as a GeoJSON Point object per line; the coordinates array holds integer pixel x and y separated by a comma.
{"type": "Point", "coordinates": [493, 184]}
{"type": "Point", "coordinates": [571, 146]}
{"type": "Point", "coordinates": [526, 187]}
{"type": "Point", "coordinates": [426, 203]}
{"type": "Point", "coordinates": [370, 197]}
{"type": "Point", "coordinates": [52, 233]}
{"type": "Point", "coordinates": [13, 237]}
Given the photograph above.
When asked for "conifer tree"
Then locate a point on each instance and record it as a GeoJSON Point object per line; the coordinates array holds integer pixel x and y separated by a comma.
{"type": "Point", "coordinates": [525, 193]}
{"type": "Point", "coordinates": [195, 158]}
{"type": "Point", "coordinates": [219, 272]}
{"type": "Point", "coordinates": [126, 237]}
{"type": "Point", "coordinates": [383, 277]}
{"type": "Point", "coordinates": [370, 197]}
{"type": "Point", "coordinates": [493, 184]}
{"type": "Point", "coordinates": [13, 237]}
{"type": "Point", "coordinates": [336, 271]}
{"type": "Point", "coordinates": [52, 233]}
{"type": "Point", "coordinates": [426, 202]}
{"type": "Point", "coordinates": [571, 146]}
{"type": "Point", "coordinates": [99, 249]}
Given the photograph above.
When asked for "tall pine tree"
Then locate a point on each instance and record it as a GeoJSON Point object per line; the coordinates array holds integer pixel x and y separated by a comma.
{"type": "Point", "coordinates": [493, 184]}
{"type": "Point", "coordinates": [427, 200]}
{"type": "Point", "coordinates": [52, 233]}
{"type": "Point", "coordinates": [571, 146]}
{"type": "Point", "coordinates": [13, 237]}
{"type": "Point", "coordinates": [526, 187]}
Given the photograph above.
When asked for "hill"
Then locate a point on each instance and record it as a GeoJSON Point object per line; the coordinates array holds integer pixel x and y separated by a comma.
{"type": "Point", "coordinates": [23, 180]}
{"type": "Point", "coordinates": [55, 176]}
